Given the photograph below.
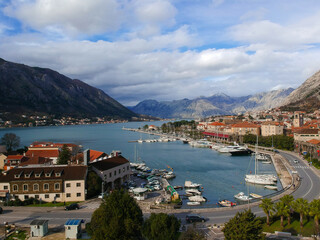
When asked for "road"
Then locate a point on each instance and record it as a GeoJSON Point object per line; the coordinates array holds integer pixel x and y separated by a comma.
{"type": "Point", "coordinates": [309, 189]}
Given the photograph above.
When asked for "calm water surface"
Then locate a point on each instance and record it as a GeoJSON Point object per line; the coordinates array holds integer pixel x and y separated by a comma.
{"type": "Point", "coordinates": [221, 176]}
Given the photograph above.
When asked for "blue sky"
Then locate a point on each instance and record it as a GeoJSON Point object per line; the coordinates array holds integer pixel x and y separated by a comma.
{"type": "Point", "coordinates": [165, 50]}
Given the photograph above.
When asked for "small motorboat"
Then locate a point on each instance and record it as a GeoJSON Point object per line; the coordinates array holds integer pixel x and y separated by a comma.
{"type": "Point", "coordinates": [193, 203]}
{"type": "Point", "coordinates": [272, 187]}
{"type": "Point", "coordinates": [241, 197]}
{"type": "Point", "coordinates": [178, 187]}
{"type": "Point", "coordinates": [189, 184]}
{"type": "Point", "coordinates": [197, 199]}
{"type": "Point", "coordinates": [255, 195]}
{"type": "Point", "coordinates": [226, 203]}
{"type": "Point", "coordinates": [193, 192]}
{"type": "Point", "coordinates": [266, 162]}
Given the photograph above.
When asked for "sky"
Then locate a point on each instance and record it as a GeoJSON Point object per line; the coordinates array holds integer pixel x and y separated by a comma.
{"type": "Point", "coordinates": [167, 49]}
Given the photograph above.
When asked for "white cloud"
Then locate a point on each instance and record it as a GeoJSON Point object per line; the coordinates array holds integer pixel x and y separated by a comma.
{"type": "Point", "coordinates": [70, 17]}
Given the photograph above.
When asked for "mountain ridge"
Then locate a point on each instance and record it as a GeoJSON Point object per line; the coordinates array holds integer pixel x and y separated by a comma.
{"type": "Point", "coordinates": [42, 90]}
{"type": "Point", "coordinates": [217, 104]}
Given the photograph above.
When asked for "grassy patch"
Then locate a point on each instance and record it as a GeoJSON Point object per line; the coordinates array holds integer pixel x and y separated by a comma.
{"type": "Point", "coordinates": [293, 228]}
{"type": "Point", "coordinates": [21, 236]}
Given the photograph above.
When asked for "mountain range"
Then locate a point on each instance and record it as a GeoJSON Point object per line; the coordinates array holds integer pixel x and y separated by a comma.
{"type": "Point", "coordinates": [32, 90]}
{"type": "Point", "coordinates": [306, 97]}
{"type": "Point", "coordinates": [218, 104]}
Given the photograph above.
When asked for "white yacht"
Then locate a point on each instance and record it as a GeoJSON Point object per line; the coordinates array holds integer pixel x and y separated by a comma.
{"type": "Point", "coordinates": [241, 197]}
{"type": "Point", "coordinates": [197, 199]}
{"type": "Point", "coordinates": [193, 192]}
{"type": "Point", "coordinates": [189, 184]}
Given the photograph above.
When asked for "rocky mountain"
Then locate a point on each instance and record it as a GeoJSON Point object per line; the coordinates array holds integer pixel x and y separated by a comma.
{"type": "Point", "coordinates": [27, 89]}
{"type": "Point", "coordinates": [306, 97]}
{"type": "Point", "coordinates": [218, 104]}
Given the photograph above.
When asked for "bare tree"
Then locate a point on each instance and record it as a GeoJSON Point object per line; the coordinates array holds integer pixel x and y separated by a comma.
{"type": "Point", "coordinates": [11, 141]}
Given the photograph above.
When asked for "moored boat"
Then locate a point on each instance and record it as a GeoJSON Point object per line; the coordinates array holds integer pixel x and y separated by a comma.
{"type": "Point", "coordinates": [241, 197]}
{"type": "Point", "coordinates": [189, 184]}
{"type": "Point", "coordinates": [197, 199]}
{"type": "Point", "coordinates": [193, 203]}
{"type": "Point", "coordinates": [254, 195]}
{"type": "Point", "coordinates": [227, 203]}
{"type": "Point", "coordinates": [271, 187]}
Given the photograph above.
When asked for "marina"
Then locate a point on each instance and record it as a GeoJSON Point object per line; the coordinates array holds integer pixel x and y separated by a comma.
{"type": "Point", "coordinates": [221, 176]}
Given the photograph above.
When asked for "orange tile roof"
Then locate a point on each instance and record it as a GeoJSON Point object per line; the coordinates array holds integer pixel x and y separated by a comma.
{"type": "Point", "coordinates": [314, 141]}
{"type": "Point", "coordinates": [95, 154]}
{"type": "Point", "coordinates": [272, 123]}
{"type": "Point", "coordinates": [245, 125]}
{"type": "Point", "coordinates": [217, 124]}
{"type": "Point", "coordinates": [15, 157]}
{"type": "Point", "coordinates": [43, 153]}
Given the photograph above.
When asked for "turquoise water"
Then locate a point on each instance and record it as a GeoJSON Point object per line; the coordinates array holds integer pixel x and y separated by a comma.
{"type": "Point", "coordinates": [221, 176]}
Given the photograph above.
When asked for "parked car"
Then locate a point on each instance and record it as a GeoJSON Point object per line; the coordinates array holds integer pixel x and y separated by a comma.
{"type": "Point", "coordinates": [72, 206]}
{"type": "Point", "coordinates": [295, 161]}
{"type": "Point", "coordinates": [194, 218]}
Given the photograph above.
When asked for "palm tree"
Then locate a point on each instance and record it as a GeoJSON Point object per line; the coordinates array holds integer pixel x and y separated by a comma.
{"type": "Point", "coordinates": [288, 200]}
{"type": "Point", "coordinates": [282, 210]}
{"type": "Point", "coordinates": [267, 207]}
{"type": "Point", "coordinates": [301, 206]}
{"type": "Point", "coordinates": [315, 212]}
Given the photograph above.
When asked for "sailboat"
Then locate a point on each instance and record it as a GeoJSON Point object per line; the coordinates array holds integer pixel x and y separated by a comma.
{"type": "Point", "coordinates": [261, 179]}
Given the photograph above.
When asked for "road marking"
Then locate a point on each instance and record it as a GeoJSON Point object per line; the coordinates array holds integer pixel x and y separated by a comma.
{"type": "Point", "coordinates": [310, 182]}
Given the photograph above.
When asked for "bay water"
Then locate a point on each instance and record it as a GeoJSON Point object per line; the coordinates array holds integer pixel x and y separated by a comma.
{"type": "Point", "coordinates": [221, 175]}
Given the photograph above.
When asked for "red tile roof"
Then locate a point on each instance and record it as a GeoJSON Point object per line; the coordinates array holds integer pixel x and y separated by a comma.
{"type": "Point", "coordinates": [110, 163]}
{"type": "Point", "coordinates": [217, 124]}
{"type": "Point", "coordinates": [15, 157]}
{"type": "Point", "coordinates": [314, 141]}
{"type": "Point", "coordinates": [245, 125]}
{"type": "Point", "coordinates": [54, 153]}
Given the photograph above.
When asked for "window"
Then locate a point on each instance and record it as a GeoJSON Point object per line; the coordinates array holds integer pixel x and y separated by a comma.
{"type": "Point", "coordinates": [119, 171]}
{"type": "Point", "coordinates": [5, 187]}
{"type": "Point", "coordinates": [56, 186]}
{"type": "Point", "coordinates": [68, 194]}
{"type": "Point", "coordinates": [110, 175]}
{"type": "Point", "coordinates": [57, 195]}
{"type": "Point", "coordinates": [46, 186]}
{"type": "Point", "coordinates": [78, 194]}
{"type": "Point", "coordinates": [38, 175]}
{"type": "Point", "coordinates": [123, 169]}
{"type": "Point", "coordinates": [26, 197]}
{"type": "Point", "coordinates": [68, 185]}
{"type": "Point", "coordinates": [27, 175]}
{"type": "Point", "coordinates": [36, 196]}
{"type": "Point", "coordinates": [17, 175]}
{"type": "Point", "coordinates": [25, 187]}
{"type": "Point", "coordinates": [78, 184]}
{"type": "Point", "coordinates": [48, 174]}
{"type": "Point", "coordinates": [15, 188]}
{"type": "Point", "coordinates": [36, 187]}
{"type": "Point", "coordinates": [115, 173]}
{"type": "Point", "coordinates": [46, 196]}
{"type": "Point", "coordinates": [58, 174]}
{"type": "Point", "coordinates": [127, 168]}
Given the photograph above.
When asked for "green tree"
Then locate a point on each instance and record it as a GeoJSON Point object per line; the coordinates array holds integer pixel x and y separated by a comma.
{"type": "Point", "coordinates": [243, 226]}
{"type": "Point", "coordinates": [192, 234]}
{"type": "Point", "coordinates": [301, 206]}
{"type": "Point", "coordinates": [119, 217]}
{"type": "Point", "coordinates": [11, 141]}
{"type": "Point", "coordinates": [288, 200]}
{"type": "Point", "coordinates": [161, 227]}
{"type": "Point", "coordinates": [93, 184]}
{"type": "Point", "coordinates": [145, 127]}
{"type": "Point", "coordinates": [267, 207]}
{"type": "Point", "coordinates": [64, 155]}
{"type": "Point", "coordinates": [315, 212]}
{"type": "Point", "coordinates": [282, 210]}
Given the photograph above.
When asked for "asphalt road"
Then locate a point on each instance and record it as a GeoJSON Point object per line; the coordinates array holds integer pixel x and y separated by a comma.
{"type": "Point", "coordinates": [309, 189]}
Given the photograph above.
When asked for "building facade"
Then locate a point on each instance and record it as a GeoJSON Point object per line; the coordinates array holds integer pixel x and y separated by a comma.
{"type": "Point", "coordinates": [60, 183]}
{"type": "Point", "coordinates": [271, 128]}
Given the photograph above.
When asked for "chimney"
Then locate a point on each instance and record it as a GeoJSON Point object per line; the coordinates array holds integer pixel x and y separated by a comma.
{"type": "Point", "coordinates": [86, 156]}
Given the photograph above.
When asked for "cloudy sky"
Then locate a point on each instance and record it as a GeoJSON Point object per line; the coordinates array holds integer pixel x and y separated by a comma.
{"type": "Point", "coordinates": [167, 49]}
